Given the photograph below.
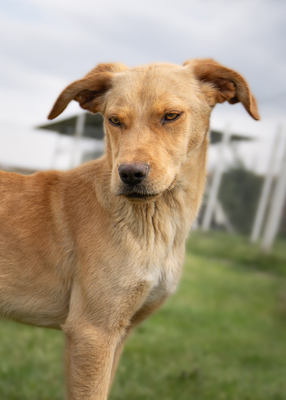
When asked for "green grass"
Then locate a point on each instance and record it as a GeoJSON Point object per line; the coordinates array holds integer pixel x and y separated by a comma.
{"type": "Point", "coordinates": [221, 336]}
{"type": "Point", "coordinates": [239, 249]}
{"type": "Point", "coordinates": [31, 363]}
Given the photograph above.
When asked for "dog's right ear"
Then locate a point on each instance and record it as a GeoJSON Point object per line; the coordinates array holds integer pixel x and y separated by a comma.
{"type": "Point", "coordinates": [89, 91]}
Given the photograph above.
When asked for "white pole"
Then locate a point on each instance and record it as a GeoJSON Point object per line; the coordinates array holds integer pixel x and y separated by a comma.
{"type": "Point", "coordinates": [79, 129]}
{"type": "Point", "coordinates": [260, 214]}
{"type": "Point", "coordinates": [195, 224]}
{"type": "Point", "coordinates": [216, 180]}
{"type": "Point", "coordinates": [56, 152]}
{"type": "Point", "coordinates": [276, 209]}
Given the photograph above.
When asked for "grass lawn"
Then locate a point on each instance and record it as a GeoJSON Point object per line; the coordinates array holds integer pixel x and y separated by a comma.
{"type": "Point", "coordinates": [221, 336]}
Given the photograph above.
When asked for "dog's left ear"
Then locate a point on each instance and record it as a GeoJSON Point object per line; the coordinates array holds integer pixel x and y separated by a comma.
{"type": "Point", "coordinates": [89, 91]}
{"type": "Point", "coordinates": [222, 84]}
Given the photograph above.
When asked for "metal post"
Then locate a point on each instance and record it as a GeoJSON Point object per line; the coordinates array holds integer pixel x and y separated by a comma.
{"type": "Point", "coordinates": [260, 214]}
{"type": "Point", "coordinates": [216, 181]}
{"type": "Point", "coordinates": [276, 209]}
{"type": "Point", "coordinates": [79, 129]}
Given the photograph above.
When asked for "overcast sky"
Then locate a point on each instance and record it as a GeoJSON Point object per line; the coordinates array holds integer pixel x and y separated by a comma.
{"type": "Point", "coordinates": [44, 45]}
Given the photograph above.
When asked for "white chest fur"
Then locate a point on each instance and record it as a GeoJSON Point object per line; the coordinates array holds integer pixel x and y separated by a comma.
{"type": "Point", "coordinates": [165, 246]}
{"type": "Point", "coordinates": [163, 280]}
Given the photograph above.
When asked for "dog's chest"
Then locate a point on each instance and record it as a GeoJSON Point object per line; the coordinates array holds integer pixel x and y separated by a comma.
{"type": "Point", "coordinates": [162, 267]}
{"type": "Point", "coordinates": [162, 281]}
{"type": "Point", "coordinates": [152, 253]}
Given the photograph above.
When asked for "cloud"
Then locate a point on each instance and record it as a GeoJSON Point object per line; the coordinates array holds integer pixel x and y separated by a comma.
{"type": "Point", "coordinates": [46, 45]}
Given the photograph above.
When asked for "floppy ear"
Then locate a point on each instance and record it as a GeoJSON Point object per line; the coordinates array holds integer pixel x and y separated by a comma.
{"type": "Point", "coordinates": [89, 91]}
{"type": "Point", "coordinates": [222, 84]}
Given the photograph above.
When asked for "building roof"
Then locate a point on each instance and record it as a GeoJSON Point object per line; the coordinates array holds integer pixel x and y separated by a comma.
{"type": "Point", "coordinates": [93, 127]}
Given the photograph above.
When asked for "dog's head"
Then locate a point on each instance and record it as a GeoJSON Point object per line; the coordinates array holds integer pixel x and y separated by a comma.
{"type": "Point", "coordinates": [155, 117]}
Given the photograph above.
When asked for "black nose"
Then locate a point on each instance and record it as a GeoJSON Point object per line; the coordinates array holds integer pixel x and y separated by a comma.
{"type": "Point", "coordinates": [132, 174]}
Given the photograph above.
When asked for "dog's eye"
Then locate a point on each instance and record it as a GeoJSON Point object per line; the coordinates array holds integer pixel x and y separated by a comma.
{"type": "Point", "coordinates": [171, 116]}
{"type": "Point", "coordinates": [114, 121]}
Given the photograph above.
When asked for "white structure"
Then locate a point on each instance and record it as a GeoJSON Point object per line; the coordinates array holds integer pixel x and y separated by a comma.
{"type": "Point", "coordinates": [275, 202]}
{"type": "Point", "coordinates": [265, 194]}
{"type": "Point", "coordinates": [213, 195]}
{"type": "Point", "coordinates": [85, 134]}
{"type": "Point", "coordinates": [276, 207]}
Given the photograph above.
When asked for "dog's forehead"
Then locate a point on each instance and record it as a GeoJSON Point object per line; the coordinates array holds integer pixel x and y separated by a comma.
{"type": "Point", "coordinates": [153, 84]}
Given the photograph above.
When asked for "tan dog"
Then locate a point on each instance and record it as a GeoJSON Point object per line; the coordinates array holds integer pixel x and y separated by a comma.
{"type": "Point", "coordinates": [96, 250]}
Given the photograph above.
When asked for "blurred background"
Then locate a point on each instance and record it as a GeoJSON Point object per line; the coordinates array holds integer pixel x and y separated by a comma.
{"type": "Point", "coordinates": [223, 334]}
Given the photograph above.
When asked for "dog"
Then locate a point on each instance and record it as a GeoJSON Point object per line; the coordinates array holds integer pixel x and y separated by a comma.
{"type": "Point", "coordinates": [96, 250]}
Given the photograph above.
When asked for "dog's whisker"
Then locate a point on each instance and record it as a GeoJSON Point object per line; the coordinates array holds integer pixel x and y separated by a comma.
{"type": "Point", "coordinates": [189, 183]}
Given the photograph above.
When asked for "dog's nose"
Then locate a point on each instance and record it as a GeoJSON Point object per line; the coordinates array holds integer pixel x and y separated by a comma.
{"type": "Point", "coordinates": [132, 174]}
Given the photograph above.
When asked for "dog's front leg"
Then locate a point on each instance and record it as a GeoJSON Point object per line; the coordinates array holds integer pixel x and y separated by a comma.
{"type": "Point", "coordinates": [137, 318]}
{"type": "Point", "coordinates": [89, 357]}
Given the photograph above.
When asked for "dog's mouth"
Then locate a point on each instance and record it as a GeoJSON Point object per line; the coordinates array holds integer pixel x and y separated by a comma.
{"type": "Point", "coordinates": [141, 197]}
{"type": "Point", "coordinates": [140, 193]}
